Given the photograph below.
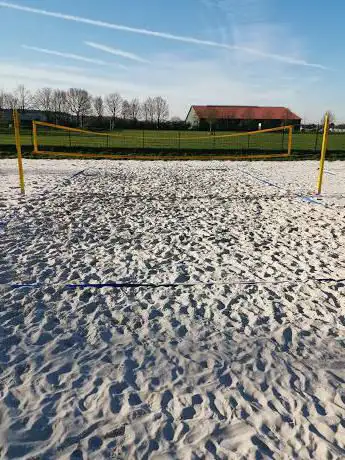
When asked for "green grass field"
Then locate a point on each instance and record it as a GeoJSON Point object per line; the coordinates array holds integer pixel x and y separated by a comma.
{"type": "Point", "coordinates": [49, 138]}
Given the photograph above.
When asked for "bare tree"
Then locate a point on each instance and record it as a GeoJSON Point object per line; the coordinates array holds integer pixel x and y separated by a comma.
{"type": "Point", "coordinates": [161, 109]}
{"type": "Point", "coordinates": [23, 97]}
{"type": "Point", "coordinates": [134, 109]}
{"type": "Point", "coordinates": [155, 109]}
{"type": "Point", "coordinates": [98, 105]}
{"type": "Point", "coordinates": [78, 103]}
{"type": "Point", "coordinates": [126, 111]}
{"type": "Point", "coordinates": [43, 99]}
{"type": "Point", "coordinates": [145, 111]}
{"type": "Point", "coordinates": [114, 104]}
{"type": "Point", "coordinates": [2, 100]}
{"type": "Point", "coordinates": [10, 101]}
{"type": "Point", "coordinates": [148, 110]}
{"type": "Point", "coordinates": [211, 117]}
{"type": "Point", "coordinates": [59, 101]}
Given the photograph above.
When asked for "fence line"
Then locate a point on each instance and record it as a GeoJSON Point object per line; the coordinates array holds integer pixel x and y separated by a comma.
{"type": "Point", "coordinates": [308, 144]}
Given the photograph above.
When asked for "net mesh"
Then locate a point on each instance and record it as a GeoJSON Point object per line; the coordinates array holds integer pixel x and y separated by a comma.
{"type": "Point", "coordinates": [55, 139]}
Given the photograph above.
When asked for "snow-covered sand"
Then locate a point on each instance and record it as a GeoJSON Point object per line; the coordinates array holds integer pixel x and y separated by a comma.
{"type": "Point", "coordinates": [228, 341]}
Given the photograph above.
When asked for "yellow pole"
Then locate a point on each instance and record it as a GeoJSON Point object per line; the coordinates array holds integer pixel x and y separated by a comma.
{"type": "Point", "coordinates": [290, 141]}
{"type": "Point", "coordinates": [19, 150]}
{"type": "Point", "coordinates": [323, 153]}
{"type": "Point", "coordinates": [34, 135]}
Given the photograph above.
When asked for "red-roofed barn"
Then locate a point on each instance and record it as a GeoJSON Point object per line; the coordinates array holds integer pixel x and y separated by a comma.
{"type": "Point", "coordinates": [235, 117]}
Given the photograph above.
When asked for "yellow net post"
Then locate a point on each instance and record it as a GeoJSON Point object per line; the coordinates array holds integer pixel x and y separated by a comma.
{"type": "Point", "coordinates": [323, 153]}
{"type": "Point", "coordinates": [16, 121]}
{"type": "Point", "coordinates": [290, 141]}
{"type": "Point", "coordinates": [34, 136]}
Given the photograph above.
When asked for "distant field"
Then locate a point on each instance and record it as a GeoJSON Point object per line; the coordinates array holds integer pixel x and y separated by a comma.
{"type": "Point", "coordinates": [173, 140]}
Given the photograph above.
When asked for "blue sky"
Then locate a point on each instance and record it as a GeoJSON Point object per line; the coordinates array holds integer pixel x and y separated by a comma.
{"type": "Point", "coordinates": [255, 52]}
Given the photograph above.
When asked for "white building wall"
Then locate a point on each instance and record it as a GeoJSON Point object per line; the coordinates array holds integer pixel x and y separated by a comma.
{"type": "Point", "coordinates": [192, 118]}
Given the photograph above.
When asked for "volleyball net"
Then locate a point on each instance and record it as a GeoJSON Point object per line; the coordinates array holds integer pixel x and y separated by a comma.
{"type": "Point", "coordinates": [57, 140]}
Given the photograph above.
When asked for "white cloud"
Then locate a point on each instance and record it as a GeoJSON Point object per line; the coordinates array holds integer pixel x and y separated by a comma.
{"type": "Point", "coordinates": [116, 52]}
{"type": "Point", "coordinates": [182, 88]}
{"type": "Point", "coordinates": [183, 82]}
{"type": "Point", "coordinates": [166, 35]}
{"type": "Point", "coordinates": [37, 76]}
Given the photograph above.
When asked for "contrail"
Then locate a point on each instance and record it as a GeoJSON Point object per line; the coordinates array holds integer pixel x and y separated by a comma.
{"type": "Point", "coordinates": [116, 52]}
{"type": "Point", "coordinates": [65, 55]}
{"type": "Point", "coordinates": [152, 33]}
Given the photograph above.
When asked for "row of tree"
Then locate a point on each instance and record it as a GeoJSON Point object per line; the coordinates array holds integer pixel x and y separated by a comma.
{"type": "Point", "coordinates": [82, 105]}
